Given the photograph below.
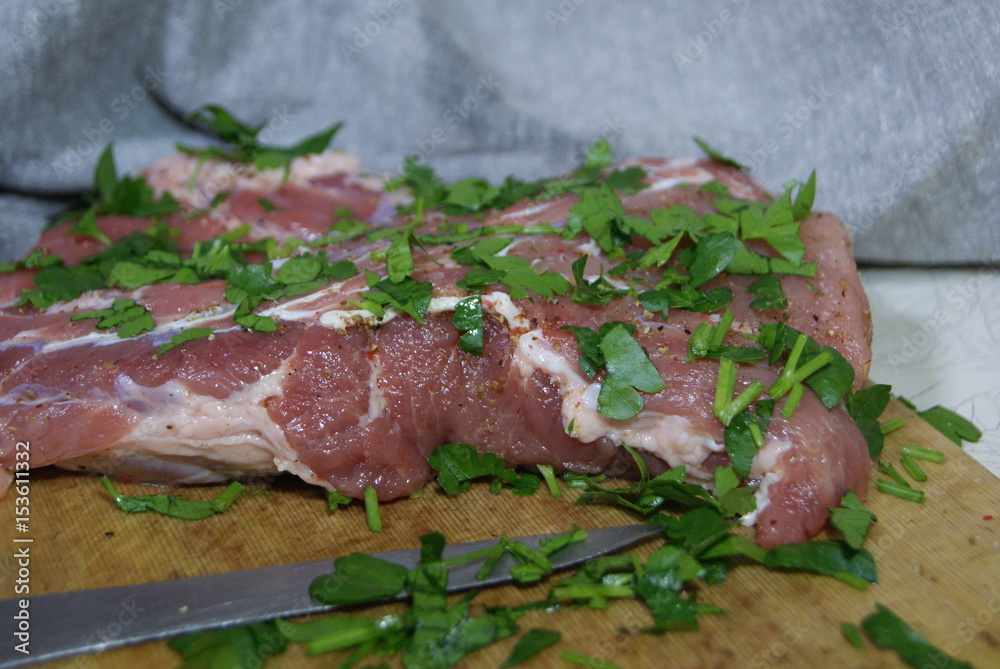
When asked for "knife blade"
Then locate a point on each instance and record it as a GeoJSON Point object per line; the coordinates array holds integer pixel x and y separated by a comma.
{"type": "Point", "coordinates": [89, 621]}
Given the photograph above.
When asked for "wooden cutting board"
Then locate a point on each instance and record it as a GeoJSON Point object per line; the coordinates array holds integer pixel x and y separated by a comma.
{"type": "Point", "coordinates": [939, 566]}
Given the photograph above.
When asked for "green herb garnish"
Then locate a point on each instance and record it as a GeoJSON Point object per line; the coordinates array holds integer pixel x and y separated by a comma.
{"type": "Point", "coordinates": [129, 317]}
{"type": "Point", "coordinates": [186, 335]}
{"type": "Point", "coordinates": [888, 630]}
{"type": "Point", "coordinates": [852, 519]}
{"type": "Point", "coordinates": [241, 647]}
{"type": "Point", "coordinates": [460, 464]}
{"type": "Point", "coordinates": [243, 138]}
{"type": "Point", "coordinates": [468, 319]}
{"type": "Point", "coordinates": [530, 644]}
{"type": "Point", "coordinates": [865, 406]}
{"type": "Point", "coordinates": [172, 505]}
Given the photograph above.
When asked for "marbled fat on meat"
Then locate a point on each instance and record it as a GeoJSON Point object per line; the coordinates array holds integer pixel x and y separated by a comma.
{"type": "Point", "coordinates": [345, 399]}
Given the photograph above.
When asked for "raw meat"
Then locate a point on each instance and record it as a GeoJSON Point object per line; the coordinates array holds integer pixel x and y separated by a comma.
{"type": "Point", "coordinates": [346, 399]}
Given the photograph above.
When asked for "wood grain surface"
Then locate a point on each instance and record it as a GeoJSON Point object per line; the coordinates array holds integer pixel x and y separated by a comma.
{"type": "Point", "coordinates": [939, 566]}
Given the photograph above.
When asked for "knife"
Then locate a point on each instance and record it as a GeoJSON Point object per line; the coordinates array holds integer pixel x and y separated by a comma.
{"type": "Point", "coordinates": [88, 621]}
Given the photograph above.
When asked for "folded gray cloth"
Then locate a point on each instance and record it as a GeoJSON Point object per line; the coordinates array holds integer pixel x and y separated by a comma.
{"type": "Point", "coordinates": [894, 103]}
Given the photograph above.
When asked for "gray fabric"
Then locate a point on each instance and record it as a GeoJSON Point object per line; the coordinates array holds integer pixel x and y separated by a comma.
{"type": "Point", "coordinates": [894, 103]}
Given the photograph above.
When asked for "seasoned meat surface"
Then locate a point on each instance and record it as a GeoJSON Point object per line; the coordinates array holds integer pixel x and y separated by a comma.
{"type": "Point", "coordinates": [346, 394]}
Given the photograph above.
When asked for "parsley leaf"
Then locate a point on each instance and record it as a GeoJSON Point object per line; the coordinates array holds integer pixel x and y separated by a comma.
{"type": "Point", "coordinates": [628, 368]}
{"type": "Point", "coordinates": [533, 642]}
{"type": "Point", "coordinates": [243, 139]}
{"type": "Point", "coordinates": [711, 255]}
{"type": "Point", "coordinates": [717, 156]}
{"type": "Point", "coordinates": [951, 425]}
{"type": "Point", "coordinates": [865, 406]}
{"type": "Point", "coordinates": [830, 382]}
{"type": "Point", "coordinates": [468, 318]}
{"type": "Point", "coordinates": [126, 196]}
{"type": "Point", "coordinates": [598, 292]}
{"type": "Point", "coordinates": [739, 436]}
{"type": "Point", "coordinates": [125, 314]}
{"type": "Point", "coordinates": [87, 226]}
{"type": "Point", "coordinates": [409, 296]}
{"type": "Point", "coordinates": [186, 335]}
{"type": "Point", "coordinates": [427, 187]}
{"type": "Point", "coordinates": [601, 215]}
{"type": "Point", "coordinates": [769, 294]}
{"type": "Point", "coordinates": [513, 271]}
{"type": "Point", "coordinates": [775, 224]}
{"type": "Point", "coordinates": [685, 297]}
{"type": "Point", "coordinates": [830, 558]}
{"type": "Point", "coordinates": [852, 519]}
{"type": "Point", "coordinates": [359, 578]}
{"type": "Point", "coordinates": [888, 630]}
{"type": "Point", "coordinates": [460, 464]}
{"type": "Point", "coordinates": [240, 647]}
{"type": "Point", "coordinates": [736, 500]}
{"type": "Point", "coordinates": [172, 505]}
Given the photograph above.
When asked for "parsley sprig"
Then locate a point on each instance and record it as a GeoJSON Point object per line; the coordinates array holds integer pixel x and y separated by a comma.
{"type": "Point", "coordinates": [123, 196]}
{"type": "Point", "coordinates": [474, 195]}
{"type": "Point", "coordinates": [244, 142]}
{"type": "Point", "coordinates": [628, 369]}
{"type": "Point", "coordinates": [125, 315]}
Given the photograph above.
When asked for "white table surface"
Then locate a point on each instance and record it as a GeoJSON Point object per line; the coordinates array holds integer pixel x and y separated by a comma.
{"type": "Point", "coordinates": [937, 341]}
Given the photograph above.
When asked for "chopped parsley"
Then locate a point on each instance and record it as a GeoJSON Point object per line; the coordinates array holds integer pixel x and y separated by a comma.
{"type": "Point", "coordinates": [852, 519]}
{"type": "Point", "coordinates": [125, 196]}
{"type": "Point", "coordinates": [628, 369]}
{"type": "Point", "coordinates": [717, 156]}
{"type": "Point", "coordinates": [468, 319]}
{"type": "Point", "coordinates": [244, 144]}
{"type": "Point", "coordinates": [408, 295]}
{"type": "Point", "coordinates": [598, 292]}
{"type": "Point", "coordinates": [514, 272]}
{"type": "Point", "coordinates": [948, 423]}
{"type": "Point", "coordinates": [458, 465]}
{"type": "Point", "coordinates": [172, 505]}
{"type": "Point", "coordinates": [769, 294]}
{"type": "Point", "coordinates": [186, 335]}
{"type": "Point", "coordinates": [530, 644]}
{"type": "Point", "coordinates": [125, 315]}
{"type": "Point", "coordinates": [888, 630]}
{"type": "Point", "coordinates": [240, 647]}
{"type": "Point", "coordinates": [865, 406]}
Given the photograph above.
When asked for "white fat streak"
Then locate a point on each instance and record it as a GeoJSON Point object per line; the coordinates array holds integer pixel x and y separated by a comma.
{"type": "Point", "coordinates": [765, 468]}
{"type": "Point", "coordinates": [497, 303]}
{"type": "Point", "coordinates": [527, 211]}
{"type": "Point", "coordinates": [671, 438]}
{"type": "Point", "coordinates": [591, 248]}
{"type": "Point", "coordinates": [192, 320]}
{"type": "Point", "coordinates": [376, 396]}
{"type": "Point", "coordinates": [205, 438]}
